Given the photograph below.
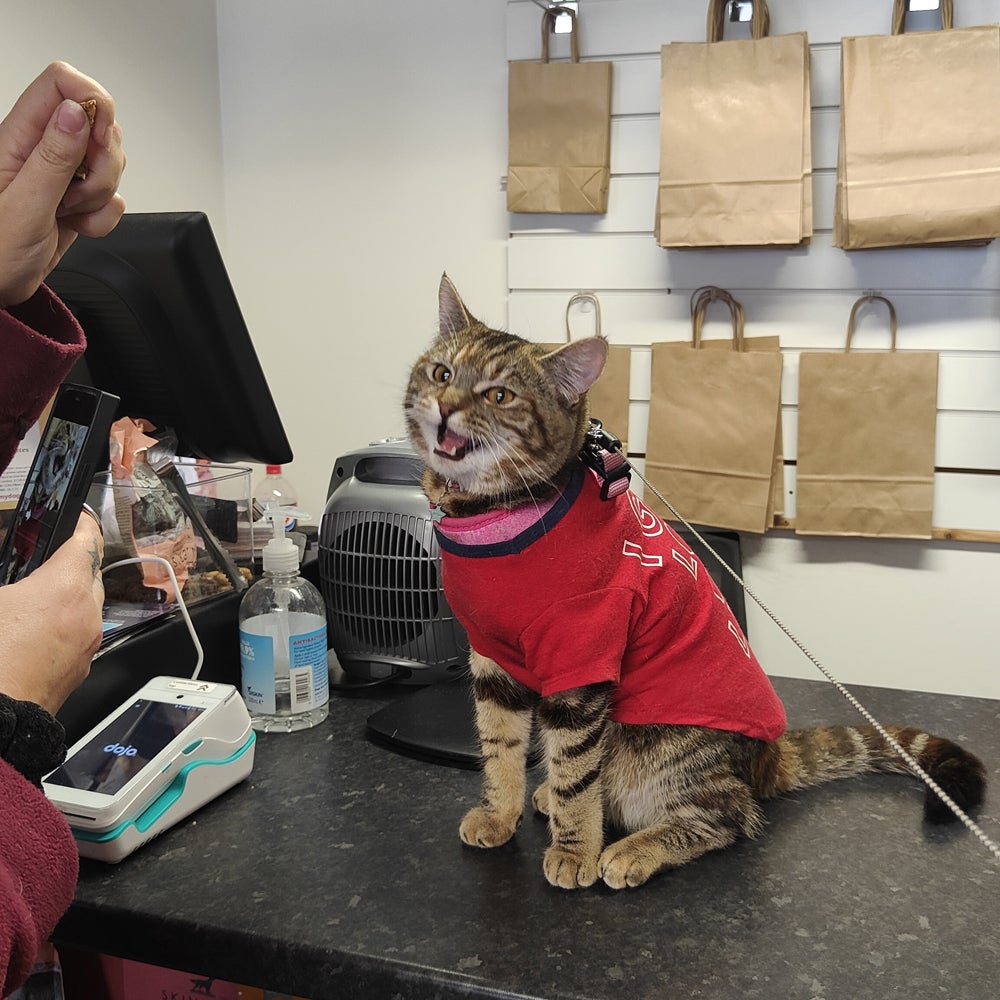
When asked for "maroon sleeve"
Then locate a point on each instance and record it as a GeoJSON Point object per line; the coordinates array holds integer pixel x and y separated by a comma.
{"type": "Point", "coordinates": [40, 340]}
{"type": "Point", "coordinates": [39, 865]}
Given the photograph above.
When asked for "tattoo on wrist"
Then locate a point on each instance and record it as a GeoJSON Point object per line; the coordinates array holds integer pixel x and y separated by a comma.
{"type": "Point", "coordinates": [95, 559]}
{"type": "Point", "coordinates": [95, 551]}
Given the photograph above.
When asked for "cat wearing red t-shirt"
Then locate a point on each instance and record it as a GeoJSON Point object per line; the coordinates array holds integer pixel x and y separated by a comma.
{"type": "Point", "coordinates": [594, 618]}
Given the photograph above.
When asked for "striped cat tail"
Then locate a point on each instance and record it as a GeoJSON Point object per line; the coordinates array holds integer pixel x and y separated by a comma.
{"type": "Point", "coordinates": [805, 757]}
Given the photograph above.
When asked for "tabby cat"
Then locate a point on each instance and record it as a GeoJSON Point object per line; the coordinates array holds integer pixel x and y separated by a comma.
{"type": "Point", "coordinates": [594, 618]}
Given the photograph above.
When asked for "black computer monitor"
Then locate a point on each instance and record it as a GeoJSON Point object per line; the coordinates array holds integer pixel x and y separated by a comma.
{"type": "Point", "coordinates": [165, 333]}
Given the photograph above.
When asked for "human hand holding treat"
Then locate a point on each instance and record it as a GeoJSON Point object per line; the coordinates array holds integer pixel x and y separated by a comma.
{"type": "Point", "coordinates": [62, 127]}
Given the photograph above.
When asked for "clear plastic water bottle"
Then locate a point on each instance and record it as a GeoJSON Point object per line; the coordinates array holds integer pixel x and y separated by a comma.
{"type": "Point", "coordinates": [275, 490]}
{"type": "Point", "coordinates": [285, 679]}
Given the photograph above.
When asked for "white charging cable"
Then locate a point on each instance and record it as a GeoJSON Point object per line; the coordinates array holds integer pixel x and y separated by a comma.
{"type": "Point", "coordinates": [181, 606]}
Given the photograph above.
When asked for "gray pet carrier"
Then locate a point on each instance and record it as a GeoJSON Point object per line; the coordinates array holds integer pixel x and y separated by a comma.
{"type": "Point", "coordinates": [380, 571]}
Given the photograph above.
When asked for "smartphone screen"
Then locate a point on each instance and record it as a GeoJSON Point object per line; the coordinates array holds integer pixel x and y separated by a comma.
{"type": "Point", "coordinates": [43, 496]}
{"type": "Point", "coordinates": [109, 761]}
{"type": "Point", "coordinates": [58, 480]}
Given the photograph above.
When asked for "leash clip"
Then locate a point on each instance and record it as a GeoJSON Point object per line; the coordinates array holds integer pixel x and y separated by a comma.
{"type": "Point", "coordinates": [602, 452]}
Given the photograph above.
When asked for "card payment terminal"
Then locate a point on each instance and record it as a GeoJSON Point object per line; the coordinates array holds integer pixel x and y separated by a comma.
{"type": "Point", "coordinates": [174, 745]}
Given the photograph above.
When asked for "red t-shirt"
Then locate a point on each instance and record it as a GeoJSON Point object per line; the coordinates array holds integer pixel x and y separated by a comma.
{"type": "Point", "coordinates": [603, 590]}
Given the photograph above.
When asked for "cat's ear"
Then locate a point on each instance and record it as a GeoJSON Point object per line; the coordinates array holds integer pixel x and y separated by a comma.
{"type": "Point", "coordinates": [452, 314]}
{"type": "Point", "coordinates": [576, 366]}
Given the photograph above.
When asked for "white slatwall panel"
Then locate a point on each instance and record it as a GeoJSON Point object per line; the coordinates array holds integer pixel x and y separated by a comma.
{"type": "Point", "coordinates": [947, 300]}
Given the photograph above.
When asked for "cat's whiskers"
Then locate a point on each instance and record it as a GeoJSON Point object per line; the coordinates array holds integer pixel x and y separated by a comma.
{"type": "Point", "coordinates": [534, 466]}
{"type": "Point", "coordinates": [508, 454]}
{"type": "Point", "coordinates": [504, 486]}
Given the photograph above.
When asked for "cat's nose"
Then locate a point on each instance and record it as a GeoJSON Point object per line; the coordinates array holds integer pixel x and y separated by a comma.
{"type": "Point", "coordinates": [445, 410]}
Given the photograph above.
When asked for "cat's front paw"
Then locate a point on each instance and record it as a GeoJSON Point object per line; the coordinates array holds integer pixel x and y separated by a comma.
{"type": "Point", "coordinates": [540, 798]}
{"type": "Point", "coordinates": [482, 828]}
{"type": "Point", "coordinates": [623, 866]}
{"type": "Point", "coordinates": [569, 869]}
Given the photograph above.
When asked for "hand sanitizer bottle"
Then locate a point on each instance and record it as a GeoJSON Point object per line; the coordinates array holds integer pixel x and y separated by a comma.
{"type": "Point", "coordinates": [283, 642]}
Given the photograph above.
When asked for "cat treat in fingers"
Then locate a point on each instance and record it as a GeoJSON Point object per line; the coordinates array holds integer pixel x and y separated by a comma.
{"type": "Point", "coordinates": [90, 109]}
{"type": "Point", "coordinates": [593, 617]}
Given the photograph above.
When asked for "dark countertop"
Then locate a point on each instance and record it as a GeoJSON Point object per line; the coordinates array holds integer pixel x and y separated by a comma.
{"type": "Point", "coordinates": [335, 871]}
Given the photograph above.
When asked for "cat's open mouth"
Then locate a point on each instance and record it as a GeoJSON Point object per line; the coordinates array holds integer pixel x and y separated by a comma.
{"type": "Point", "coordinates": [452, 445]}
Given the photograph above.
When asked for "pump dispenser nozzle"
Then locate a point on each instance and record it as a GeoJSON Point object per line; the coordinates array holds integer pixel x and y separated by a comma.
{"type": "Point", "coordinates": [281, 554]}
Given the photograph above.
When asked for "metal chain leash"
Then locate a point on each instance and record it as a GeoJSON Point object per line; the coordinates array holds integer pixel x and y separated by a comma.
{"type": "Point", "coordinates": [965, 819]}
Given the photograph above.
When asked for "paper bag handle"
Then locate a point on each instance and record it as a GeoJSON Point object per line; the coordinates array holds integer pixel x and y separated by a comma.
{"type": "Point", "coordinates": [584, 297]}
{"type": "Point", "coordinates": [760, 21]}
{"type": "Point", "coordinates": [871, 297]}
{"type": "Point", "coordinates": [901, 7]}
{"type": "Point", "coordinates": [700, 300]}
{"type": "Point", "coordinates": [549, 16]}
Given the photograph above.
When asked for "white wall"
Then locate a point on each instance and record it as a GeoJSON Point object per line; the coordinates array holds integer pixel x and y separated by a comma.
{"type": "Point", "coordinates": [364, 145]}
{"type": "Point", "coordinates": [359, 155]}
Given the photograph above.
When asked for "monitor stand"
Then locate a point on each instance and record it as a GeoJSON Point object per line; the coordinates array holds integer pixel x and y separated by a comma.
{"type": "Point", "coordinates": [436, 723]}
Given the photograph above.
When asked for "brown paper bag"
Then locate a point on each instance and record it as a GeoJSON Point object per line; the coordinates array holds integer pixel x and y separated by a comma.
{"type": "Point", "coordinates": [920, 130]}
{"type": "Point", "coordinates": [713, 426]}
{"type": "Point", "coordinates": [608, 397]}
{"type": "Point", "coordinates": [559, 118]}
{"type": "Point", "coordinates": [866, 440]}
{"type": "Point", "coordinates": [776, 497]}
{"type": "Point", "coordinates": [735, 139]}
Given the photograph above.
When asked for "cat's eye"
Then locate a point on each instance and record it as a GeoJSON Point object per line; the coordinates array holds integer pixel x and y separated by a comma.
{"type": "Point", "coordinates": [499, 396]}
{"type": "Point", "coordinates": [441, 373]}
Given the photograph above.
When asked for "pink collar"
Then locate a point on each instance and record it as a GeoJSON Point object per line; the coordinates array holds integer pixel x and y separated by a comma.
{"type": "Point", "coordinates": [495, 525]}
